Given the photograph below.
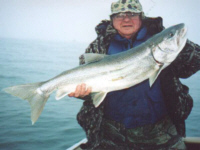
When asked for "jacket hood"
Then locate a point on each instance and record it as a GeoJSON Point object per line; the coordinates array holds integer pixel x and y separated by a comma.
{"type": "Point", "coordinates": [105, 28]}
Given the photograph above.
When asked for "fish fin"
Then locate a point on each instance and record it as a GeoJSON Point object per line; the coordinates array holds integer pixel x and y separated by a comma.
{"type": "Point", "coordinates": [153, 78]}
{"type": "Point", "coordinates": [91, 57]}
{"type": "Point", "coordinates": [98, 98]}
{"type": "Point", "coordinates": [62, 92]}
{"type": "Point", "coordinates": [33, 95]}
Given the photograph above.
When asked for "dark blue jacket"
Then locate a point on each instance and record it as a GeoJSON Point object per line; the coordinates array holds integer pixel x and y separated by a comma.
{"type": "Point", "coordinates": [140, 104]}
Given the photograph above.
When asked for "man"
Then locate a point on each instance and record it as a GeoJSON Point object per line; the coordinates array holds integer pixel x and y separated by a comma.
{"type": "Point", "coordinates": [139, 117]}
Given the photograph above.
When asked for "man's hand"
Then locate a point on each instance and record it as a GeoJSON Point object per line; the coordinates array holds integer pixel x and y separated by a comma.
{"type": "Point", "coordinates": [81, 91]}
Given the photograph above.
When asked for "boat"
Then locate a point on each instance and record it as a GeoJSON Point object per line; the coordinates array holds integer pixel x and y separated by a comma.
{"type": "Point", "coordinates": [77, 145]}
{"type": "Point", "coordinates": [192, 143]}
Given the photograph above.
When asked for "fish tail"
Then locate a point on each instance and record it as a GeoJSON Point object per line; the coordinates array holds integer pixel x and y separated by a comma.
{"type": "Point", "coordinates": [30, 92]}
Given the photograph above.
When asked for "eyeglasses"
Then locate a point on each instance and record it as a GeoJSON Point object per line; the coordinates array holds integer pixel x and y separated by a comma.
{"type": "Point", "coordinates": [122, 16]}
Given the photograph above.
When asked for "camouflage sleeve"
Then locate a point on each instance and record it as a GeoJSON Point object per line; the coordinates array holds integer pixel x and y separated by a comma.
{"type": "Point", "coordinates": [188, 61]}
{"type": "Point", "coordinates": [177, 98]}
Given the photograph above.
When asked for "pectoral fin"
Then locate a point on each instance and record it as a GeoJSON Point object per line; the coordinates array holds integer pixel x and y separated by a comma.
{"type": "Point", "coordinates": [98, 98]}
{"type": "Point", "coordinates": [153, 78]}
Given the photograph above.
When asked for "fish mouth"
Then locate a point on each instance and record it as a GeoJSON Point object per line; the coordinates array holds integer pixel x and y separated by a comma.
{"type": "Point", "coordinates": [182, 34]}
{"type": "Point", "coordinates": [166, 50]}
{"type": "Point", "coordinates": [182, 42]}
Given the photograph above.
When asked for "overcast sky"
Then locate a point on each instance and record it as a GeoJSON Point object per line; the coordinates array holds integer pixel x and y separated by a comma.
{"type": "Point", "coordinates": [75, 20]}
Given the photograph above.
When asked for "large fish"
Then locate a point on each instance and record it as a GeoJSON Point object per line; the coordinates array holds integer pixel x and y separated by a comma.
{"type": "Point", "coordinates": [106, 73]}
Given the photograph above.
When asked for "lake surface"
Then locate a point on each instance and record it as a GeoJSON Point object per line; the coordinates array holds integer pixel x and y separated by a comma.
{"type": "Point", "coordinates": [25, 61]}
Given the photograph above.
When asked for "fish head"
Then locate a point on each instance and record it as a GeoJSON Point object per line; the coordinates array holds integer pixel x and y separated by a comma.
{"type": "Point", "coordinates": [169, 43]}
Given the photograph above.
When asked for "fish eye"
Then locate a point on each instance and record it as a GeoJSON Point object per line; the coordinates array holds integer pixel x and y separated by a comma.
{"type": "Point", "coordinates": [171, 34]}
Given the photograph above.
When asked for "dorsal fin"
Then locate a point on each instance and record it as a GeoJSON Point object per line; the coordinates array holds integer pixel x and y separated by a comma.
{"type": "Point", "coordinates": [91, 57]}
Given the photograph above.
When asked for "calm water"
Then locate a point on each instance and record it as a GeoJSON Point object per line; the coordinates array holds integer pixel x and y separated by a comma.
{"type": "Point", "coordinates": [57, 129]}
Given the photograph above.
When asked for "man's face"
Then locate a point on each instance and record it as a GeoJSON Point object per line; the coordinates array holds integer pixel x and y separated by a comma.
{"type": "Point", "coordinates": [127, 24]}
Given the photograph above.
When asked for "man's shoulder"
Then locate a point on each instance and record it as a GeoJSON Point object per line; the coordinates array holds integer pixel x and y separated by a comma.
{"type": "Point", "coordinates": [154, 25]}
{"type": "Point", "coordinates": [102, 26]}
{"type": "Point", "coordinates": [105, 28]}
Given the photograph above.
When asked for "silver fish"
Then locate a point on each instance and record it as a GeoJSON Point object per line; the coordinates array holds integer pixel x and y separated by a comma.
{"type": "Point", "coordinates": [106, 73]}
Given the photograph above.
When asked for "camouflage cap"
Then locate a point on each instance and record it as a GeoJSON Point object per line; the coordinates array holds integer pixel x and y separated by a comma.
{"type": "Point", "coordinates": [126, 5]}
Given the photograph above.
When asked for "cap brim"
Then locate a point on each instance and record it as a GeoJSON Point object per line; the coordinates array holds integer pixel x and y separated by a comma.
{"type": "Point", "coordinates": [116, 12]}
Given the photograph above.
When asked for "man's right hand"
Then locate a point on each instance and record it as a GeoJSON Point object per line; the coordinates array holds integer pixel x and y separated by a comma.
{"type": "Point", "coordinates": [81, 91]}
